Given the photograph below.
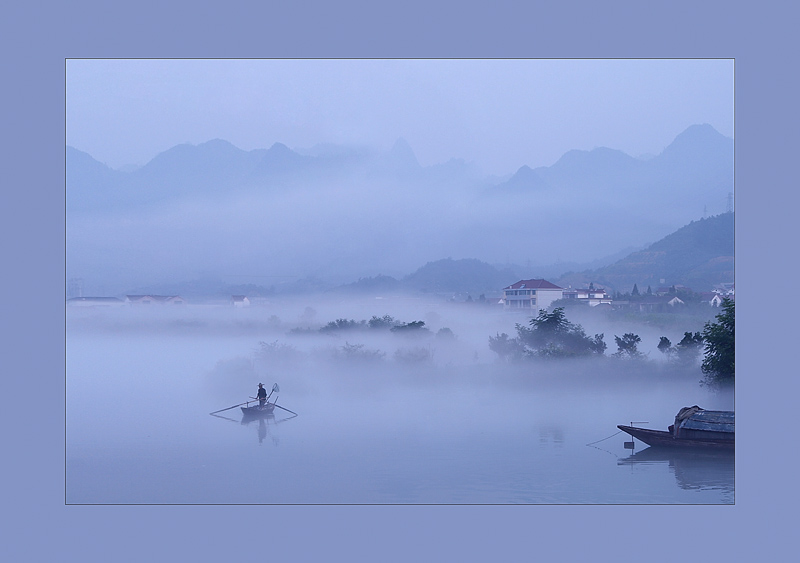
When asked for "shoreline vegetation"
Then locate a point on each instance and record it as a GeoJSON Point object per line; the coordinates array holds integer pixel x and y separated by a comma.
{"type": "Point", "coordinates": [547, 342]}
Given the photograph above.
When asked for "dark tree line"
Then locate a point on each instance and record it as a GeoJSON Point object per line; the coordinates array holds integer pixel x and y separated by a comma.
{"type": "Point", "coordinates": [386, 322]}
{"type": "Point", "coordinates": [686, 351]}
{"type": "Point", "coordinates": [551, 335]}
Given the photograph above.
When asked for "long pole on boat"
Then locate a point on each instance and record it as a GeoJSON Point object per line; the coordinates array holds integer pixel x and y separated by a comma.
{"type": "Point", "coordinates": [229, 408]}
{"type": "Point", "coordinates": [287, 410]}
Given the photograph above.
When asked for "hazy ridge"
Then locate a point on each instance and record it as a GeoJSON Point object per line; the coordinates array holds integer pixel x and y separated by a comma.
{"type": "Point", "coordinates": [338, 214]}
{"type": "Point", "coordinates": [699, 255]}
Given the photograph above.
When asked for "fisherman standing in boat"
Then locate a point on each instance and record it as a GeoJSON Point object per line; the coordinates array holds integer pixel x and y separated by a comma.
{"type": "Point", "coordinates": [262, 395]}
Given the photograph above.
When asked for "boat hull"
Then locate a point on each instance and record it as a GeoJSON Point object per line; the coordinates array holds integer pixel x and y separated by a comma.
{"type": "Point", "coordinates": [258, 411]}
{"type": "Point", "coordinates": [663, 439]}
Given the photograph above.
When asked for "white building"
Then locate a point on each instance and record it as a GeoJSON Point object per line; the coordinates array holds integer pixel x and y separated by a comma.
{"type": "Point", "coordinates": [240, 301]}
{"type": "Point", "coordinates": [531, 295]}
{"type": "Point", "coordinates": [589, 295]}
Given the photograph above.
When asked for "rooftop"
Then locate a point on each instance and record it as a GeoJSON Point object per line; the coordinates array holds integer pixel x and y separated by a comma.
{"type": "Point", "coordinates": [533, 284]}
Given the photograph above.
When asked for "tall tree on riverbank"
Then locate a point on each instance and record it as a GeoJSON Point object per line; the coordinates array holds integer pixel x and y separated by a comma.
{"type": "Point", "coordinates": [718, 364]}
{"type": "Point", "coordinates": [552, 336]}
{"type": "Point", "coordinates": [688, 349]}
{"type": "Point", "coordinates": [626, 346]}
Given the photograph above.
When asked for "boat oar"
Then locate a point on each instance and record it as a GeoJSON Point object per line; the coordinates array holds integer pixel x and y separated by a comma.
{"type": "Point", "coordinates": [287, 410]}
{"type": "Point", "coordinates": [229, 408]}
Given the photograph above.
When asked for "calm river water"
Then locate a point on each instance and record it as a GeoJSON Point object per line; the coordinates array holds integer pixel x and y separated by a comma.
{"type": "Point", "coordinates": [139, 431]}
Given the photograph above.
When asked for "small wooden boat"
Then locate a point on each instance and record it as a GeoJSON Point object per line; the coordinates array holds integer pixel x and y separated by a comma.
{"type": "Point", "coordinates": [693, 428]}
{"type": "Point", "coordinates": [256, 410]}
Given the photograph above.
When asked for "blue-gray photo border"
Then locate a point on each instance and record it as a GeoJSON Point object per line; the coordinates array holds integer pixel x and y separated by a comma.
{"type": "Point", "coordinates": [39, 39]}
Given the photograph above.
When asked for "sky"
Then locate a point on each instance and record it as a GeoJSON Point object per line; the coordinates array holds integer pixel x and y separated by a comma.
{"type": "Point", "coordinates": [498, 114]}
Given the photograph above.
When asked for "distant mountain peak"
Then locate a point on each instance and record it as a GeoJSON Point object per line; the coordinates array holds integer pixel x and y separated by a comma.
{"type": "Point", "coordinates": [402, 152]}
{"type": "Point", "coordinates": [280, 148]}
{"type": "Point", "coordinates": [698, 129]}
{"type": "Point", "coordinates": [701, 135]}
{"type": "Point", "coordinates": [596, 155]}
{"type": "Point", "coordinates": [526, 178]}
{"type": "Point", "coordinates": [218, 143]}
{"type": "Point", "coordinates": [280, 158]}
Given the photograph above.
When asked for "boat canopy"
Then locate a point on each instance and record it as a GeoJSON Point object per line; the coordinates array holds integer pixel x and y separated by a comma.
{"type": "Point", "coordinates": [695, 418]}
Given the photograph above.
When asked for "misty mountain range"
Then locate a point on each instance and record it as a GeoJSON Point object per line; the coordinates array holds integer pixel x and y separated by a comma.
{"type": "Point", "coordinates": [334, 213]}
{"type": "Point", "coordinates": [700, 255]}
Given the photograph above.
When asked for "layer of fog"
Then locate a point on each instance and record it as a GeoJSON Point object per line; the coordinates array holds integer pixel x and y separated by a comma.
{"type": "Point", "coordinates": [287, 340]}
{"type": "Point", "coordinates": [378, 410]}
{"type": "Point", "coordinates": [344, 231]}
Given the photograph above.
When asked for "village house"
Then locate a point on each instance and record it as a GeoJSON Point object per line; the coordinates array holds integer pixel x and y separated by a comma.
{"type": "Point", "coordinates": [671, 290]}
{"type": "Point", "coordinates": [591, 295]}
{"type": "Point", "coordinates": [240, 301]}
{"type": "Point", "coordinates": [531, 295]}
{"type": "Point", "coordinates": [726, 290]}
{"type": "Point", "coordinates": [658, 303]}
{"type": "Point", "coordinates": [712, 298]}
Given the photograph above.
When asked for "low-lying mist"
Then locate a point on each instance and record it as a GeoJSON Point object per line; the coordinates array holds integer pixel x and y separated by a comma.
{"type": "Point", "coordinates": [362, 344]}
{"type": "Point", "coordinates": [423, 413]}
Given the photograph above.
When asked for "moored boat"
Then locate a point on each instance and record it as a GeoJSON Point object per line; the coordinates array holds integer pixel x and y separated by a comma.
{"type": "Point", "coordinates": [693, 428]}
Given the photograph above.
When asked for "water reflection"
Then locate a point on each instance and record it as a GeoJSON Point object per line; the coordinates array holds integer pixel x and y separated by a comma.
{"type": "Point", "coordinates": [711, 470]}
{"type": "Point", "coordinates": [263, 423]}
{"type": "Point", "coordinates": [551, 435]}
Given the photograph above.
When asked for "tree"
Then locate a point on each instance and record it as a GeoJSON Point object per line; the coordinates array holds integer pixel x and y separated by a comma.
{"type": "Point", "coordinates": [418, 355]}
{"type": "Point", "coordinates": [273, 351]}
{"type": "Point", "coordinates": [508, 349]}
{"type": "Point", "coordinates": [597, 345]}
{"type": "Point", "coordinates": [688, 349]}
{"type": "Point", "coordinates": [358, 353]}
{"type": "Point", "coordinates": [635, 290]}
{"type": "Point", "coordinates": [413, 328]}
{"type": "Point", "coordinates": [445, 333]}
{"type": "Point", "coordinates": [626, 346]}
{"type": "Point", "coordinates": [384, 322]}
{"type": "Point", "coordinates": [665, 346]}
{"type": "Point", "coordinates": [549, 325]}
{"type": "Point", "coordinates": [342, 324]}
{"type": "Point", "coordinates": [552, 335]}
{"type": "Point", "coordinates": [719, 338]}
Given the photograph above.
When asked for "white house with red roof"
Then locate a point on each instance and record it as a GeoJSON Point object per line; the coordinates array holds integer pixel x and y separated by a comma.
{"type": "Point", "coordinates": [531, 295]}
